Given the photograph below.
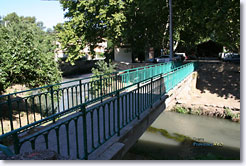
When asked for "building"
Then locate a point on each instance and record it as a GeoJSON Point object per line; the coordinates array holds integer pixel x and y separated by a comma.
{"type": "Point", "coordinates": [100, 50]}
{"type": "Point", "coordinates": [125, 54]}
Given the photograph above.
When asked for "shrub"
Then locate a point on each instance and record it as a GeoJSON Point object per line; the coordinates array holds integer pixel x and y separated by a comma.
{"type": "Point", "coordinates": [181, 110]}
{"type": "Point", "coordinates": [104, 70]}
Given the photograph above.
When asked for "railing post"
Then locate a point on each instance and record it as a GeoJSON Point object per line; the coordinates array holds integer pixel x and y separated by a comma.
{"type": "Point", "coordinates": [52, 102]}
{"type": "Point", "coordinates": [116, 82]}
{"type": "Point", "coordinates": [152, 72]}
{"type": "Point", "coordinates": [144, 73]}
{"type": "Point", "coordinates": [138, 102]}
{"type": "Point", "coordinates": [10, 113]}
{"type": "Point", "coordinates": [151, 86]}
{"type": "Point", "coordinates": [80, 90]}
{"type": "Point", "coordinates": [16, 143]}
{"type": "Point", "coordinates": [128, 78]}
{"type": "Point", "coordinates": [101, 88]}
{"type": "Point", "coordinates": [83, 108]}
{"type": "Point", "coordinates": [160, 84]}
{"type": "Point", "coordinates": [118, 112]}
{"type": "Point", "coordinates": [138, 75]}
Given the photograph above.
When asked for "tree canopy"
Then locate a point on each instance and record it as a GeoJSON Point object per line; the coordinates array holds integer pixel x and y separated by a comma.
{"type": "Point", "coordinates": [26, 53]}
{"type": "Point", "coordinates": [144, 23]}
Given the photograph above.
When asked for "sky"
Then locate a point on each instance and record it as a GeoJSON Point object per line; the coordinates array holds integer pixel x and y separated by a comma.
{"type": "Point", "coordinates": [49, 12]}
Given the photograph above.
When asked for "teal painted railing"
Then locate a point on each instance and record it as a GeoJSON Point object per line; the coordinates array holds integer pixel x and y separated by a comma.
{"type": "Point", "coordinates": [81, 133]}
{"type": "Point", "coordinates": [26, 107]}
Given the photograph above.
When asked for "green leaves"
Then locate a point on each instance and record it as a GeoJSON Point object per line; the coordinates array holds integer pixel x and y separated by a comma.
{"type": "Point", "coordinates": [216, 20]}
{"type": "Point", "coordinates": [27, 55]}
{"type": "Point", "coordinates": [143, 24]}
{"type": "Point", "coordinates": [103, 68]}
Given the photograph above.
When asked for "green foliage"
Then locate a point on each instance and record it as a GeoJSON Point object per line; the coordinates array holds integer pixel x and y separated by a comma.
{"type": "Point", "coordinates": [104, 70]}
{"type": "Point", "coordinates": [229, 114]}
{"type": "Point", "coordinates": [100, 55]}
{"type": "Point", "coordinates": [184, 110]}
{"type": "Point", "coordinates": [142, 24]}
{"type": "Point", "coordinates": [26, 54]}
{"type": "Point", "coordinates": [181, 110]}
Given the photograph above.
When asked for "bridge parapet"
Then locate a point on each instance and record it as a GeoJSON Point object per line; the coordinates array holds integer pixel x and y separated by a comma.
{"type": "Point", "coordinates": [35, 106]}
{"type": "Point", "coordinates": [80, 135]}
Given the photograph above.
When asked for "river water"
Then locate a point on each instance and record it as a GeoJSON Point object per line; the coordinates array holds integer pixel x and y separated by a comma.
{"type": "Point", "coordinates": [75, 77]}
{"type": "Point", "coordinates": [207, 138]}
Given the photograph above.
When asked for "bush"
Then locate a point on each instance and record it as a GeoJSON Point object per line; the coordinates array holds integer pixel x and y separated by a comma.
{"type": "Point", "coordinates": [181, 110]}
{"type": "Point", "coordinates": [104, 70]}
{"type": "Point", "coordinates": [26, 54]}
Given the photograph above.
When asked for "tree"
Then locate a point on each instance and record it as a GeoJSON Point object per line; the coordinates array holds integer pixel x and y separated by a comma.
{"type": "Point", "coordinates": [144, 23]}
{"type": "Point", "coordinates": [26, 54]}
{"type": "Point", "coordinates": [200, 21]}
{"type": "Point", "coordinates": [122, 22]}
{"type": "Point", "coordinates": [12, 17]}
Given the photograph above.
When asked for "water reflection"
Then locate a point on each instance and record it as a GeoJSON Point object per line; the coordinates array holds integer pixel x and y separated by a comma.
{"type": "Point", "coordinates": [161, 141]}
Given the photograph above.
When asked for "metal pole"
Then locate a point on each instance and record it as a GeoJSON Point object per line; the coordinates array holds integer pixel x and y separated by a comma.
{"type": "Point", "coordinates": [80, 91]}
{"type": "Point", "coordinates": [101, 88]}
{"type": "Point", "coordinates": [151, 99]}
{"type": "Point", "coordinates": [11, 113]}
{"type": "Point", "coordinates": [160, 85]}
{"type": "Point", "coordinates": [52, 102]}
{"type": "Point", "coordinates": [118, 112]}
{"type": "Point", "coordinates": [16, 143]}
{"type": "Point", "coordinates": [138, 102]}
{"type": "Point", "coordinates": [116, 82]}
{"type": "Point", "coordinates": [83, 108]}
{"type": "Point", "coordinates": [171, 28]}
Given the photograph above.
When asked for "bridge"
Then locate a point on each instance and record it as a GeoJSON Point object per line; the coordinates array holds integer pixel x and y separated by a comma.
{"type": "Point", "coordinates": [93, 118]}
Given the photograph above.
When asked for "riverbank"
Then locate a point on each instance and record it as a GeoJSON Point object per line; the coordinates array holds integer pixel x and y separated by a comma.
{"type": "Point", "coordinates": [217, 92]}
{"type": "Point", "coordinates": [208, 110]}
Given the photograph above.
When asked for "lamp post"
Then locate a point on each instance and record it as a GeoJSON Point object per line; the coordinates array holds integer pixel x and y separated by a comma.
{"type": "Point", "coordinates": [170, 29]}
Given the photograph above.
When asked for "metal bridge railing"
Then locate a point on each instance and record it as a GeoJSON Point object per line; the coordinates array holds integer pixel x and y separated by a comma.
{"type": "Point", "coordinates": [26, 107]}
{"type": "Point", "coordinates": [81, 133]}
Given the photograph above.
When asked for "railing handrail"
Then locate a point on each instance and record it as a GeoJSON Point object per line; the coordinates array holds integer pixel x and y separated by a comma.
{"type": "Point", "coordinates": [89, 92]}
{"type": "Point", "coordinates": [66, 82]}
{"type": "Point", "coordinates": [77, 107]}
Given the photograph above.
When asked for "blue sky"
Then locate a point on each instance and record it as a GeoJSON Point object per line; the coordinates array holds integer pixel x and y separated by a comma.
{"type": "Point", "coordinates": [49, 12]}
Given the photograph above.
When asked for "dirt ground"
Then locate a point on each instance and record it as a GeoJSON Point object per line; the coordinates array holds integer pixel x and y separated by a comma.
{"type": "Point", "coordinates": [217, 88]}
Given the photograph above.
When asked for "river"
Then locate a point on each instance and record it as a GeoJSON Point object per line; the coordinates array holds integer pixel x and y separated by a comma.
{"type": "Point", "coordinates": [182, 136]}
{"type": "Point", "coordinates": [75, 77]}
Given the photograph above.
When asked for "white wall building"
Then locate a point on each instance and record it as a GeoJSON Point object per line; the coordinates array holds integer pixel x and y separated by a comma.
{"type": "Point", "coordinates": [123, 54]}
{"type": "Point", "coordinates": [100, 49]}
